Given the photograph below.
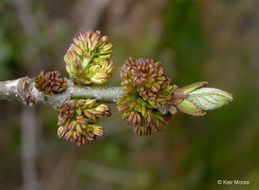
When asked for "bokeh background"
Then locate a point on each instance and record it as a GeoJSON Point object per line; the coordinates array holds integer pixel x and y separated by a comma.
{"type": "Point", "coordinates": [197, 40]}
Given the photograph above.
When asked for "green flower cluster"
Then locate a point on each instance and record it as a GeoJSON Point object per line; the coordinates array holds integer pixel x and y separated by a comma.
{"type": "Point", "coordinates": [88, 58]}
{"type": "Point", "coordinates": [140, 114]}
{"type": "Point", "coordinates": [147, 79]}
{"type": "Point", "coordinates": [77, 120]}
{"type": "Point", "coordinates": [50, 82]}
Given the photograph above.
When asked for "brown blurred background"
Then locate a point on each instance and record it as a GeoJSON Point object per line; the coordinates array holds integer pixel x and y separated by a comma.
{"type": "Point", "coordinates": [216, 41]}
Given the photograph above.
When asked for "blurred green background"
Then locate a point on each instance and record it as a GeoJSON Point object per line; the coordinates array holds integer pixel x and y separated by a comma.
{"type": "Point", "coordinates": [216, 41]}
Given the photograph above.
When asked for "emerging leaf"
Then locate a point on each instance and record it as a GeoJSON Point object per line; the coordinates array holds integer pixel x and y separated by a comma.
{"type": "Point", "coordinates": [209, 98]}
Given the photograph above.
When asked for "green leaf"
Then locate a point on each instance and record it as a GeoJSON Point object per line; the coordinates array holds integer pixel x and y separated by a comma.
{"type": "Point", "coordinates": [209, 98]}
{"type": "Point", "coordinates": [189, 108]}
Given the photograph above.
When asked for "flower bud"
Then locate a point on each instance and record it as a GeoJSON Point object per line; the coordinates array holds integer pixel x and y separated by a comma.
{"type": "Point", "coordinates": [50, 82]}
{"type": "Point", "coordinates": [77, 120]}
{"type": "Point", "coordinates": [147, 78]}
{"type": "Point", "coordinates": [140, 114]}
{"type": "Point", "coordinates": [88, 58]}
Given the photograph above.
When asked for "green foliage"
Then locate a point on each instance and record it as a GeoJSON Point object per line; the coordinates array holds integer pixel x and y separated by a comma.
{"type": "Point", "coordinates": [185, 35]}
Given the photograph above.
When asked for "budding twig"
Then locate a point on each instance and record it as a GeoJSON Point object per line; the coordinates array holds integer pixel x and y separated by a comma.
{"type": "Point", "coordinates": [145, 99]}
{"type": "Point", "coordinates": [18, 90]}
{"type": "Point", "coordinates": [24, 90]}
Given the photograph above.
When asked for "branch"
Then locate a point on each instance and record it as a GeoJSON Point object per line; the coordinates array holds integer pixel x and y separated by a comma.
{"type": "Point", "coordinates": [146, 97]}
{"type": "Point", "coordinates": [8, 90]}
{"type": "Point", "coordinates": [23, 90]}
{"type": "Point", "coordinates": [191, 99]}
{"type": "Point", "coordinates": [74, 115]}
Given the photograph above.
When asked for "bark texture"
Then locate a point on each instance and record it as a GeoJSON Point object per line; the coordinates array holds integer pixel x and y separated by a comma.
{"type": "Point", "coordinates": [23, 90]}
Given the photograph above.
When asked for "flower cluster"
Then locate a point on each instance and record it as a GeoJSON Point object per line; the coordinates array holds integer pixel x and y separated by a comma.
{"type": "Point", "coordinates": [147, 92]}
{"type": "Point", "coordinates": [77, 120]}
{"type": "Point", "coordinates": [148, 79]}
{"type": "Point", "coordinates": [140, 114]}
{"type": "Point", "coordinates": [88, 58]}
{"type": "Point", "coordinates": [50, 82]}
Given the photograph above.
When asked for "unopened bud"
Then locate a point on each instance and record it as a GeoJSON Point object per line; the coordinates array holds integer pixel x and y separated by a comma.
{"type": "Point", "coordinates": [50, 82]}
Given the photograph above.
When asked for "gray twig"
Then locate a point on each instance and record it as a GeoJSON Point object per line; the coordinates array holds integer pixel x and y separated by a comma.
{"type": "Point", "coordinates": [23, 90]}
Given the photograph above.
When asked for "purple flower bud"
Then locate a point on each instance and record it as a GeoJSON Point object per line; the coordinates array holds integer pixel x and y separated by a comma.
{"type": "Point", "coordinates": [50, 82]}
{"type": "Point", "coordinates": [77, 127]}
{"type": "Point", "coordinates": [141, 115]}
